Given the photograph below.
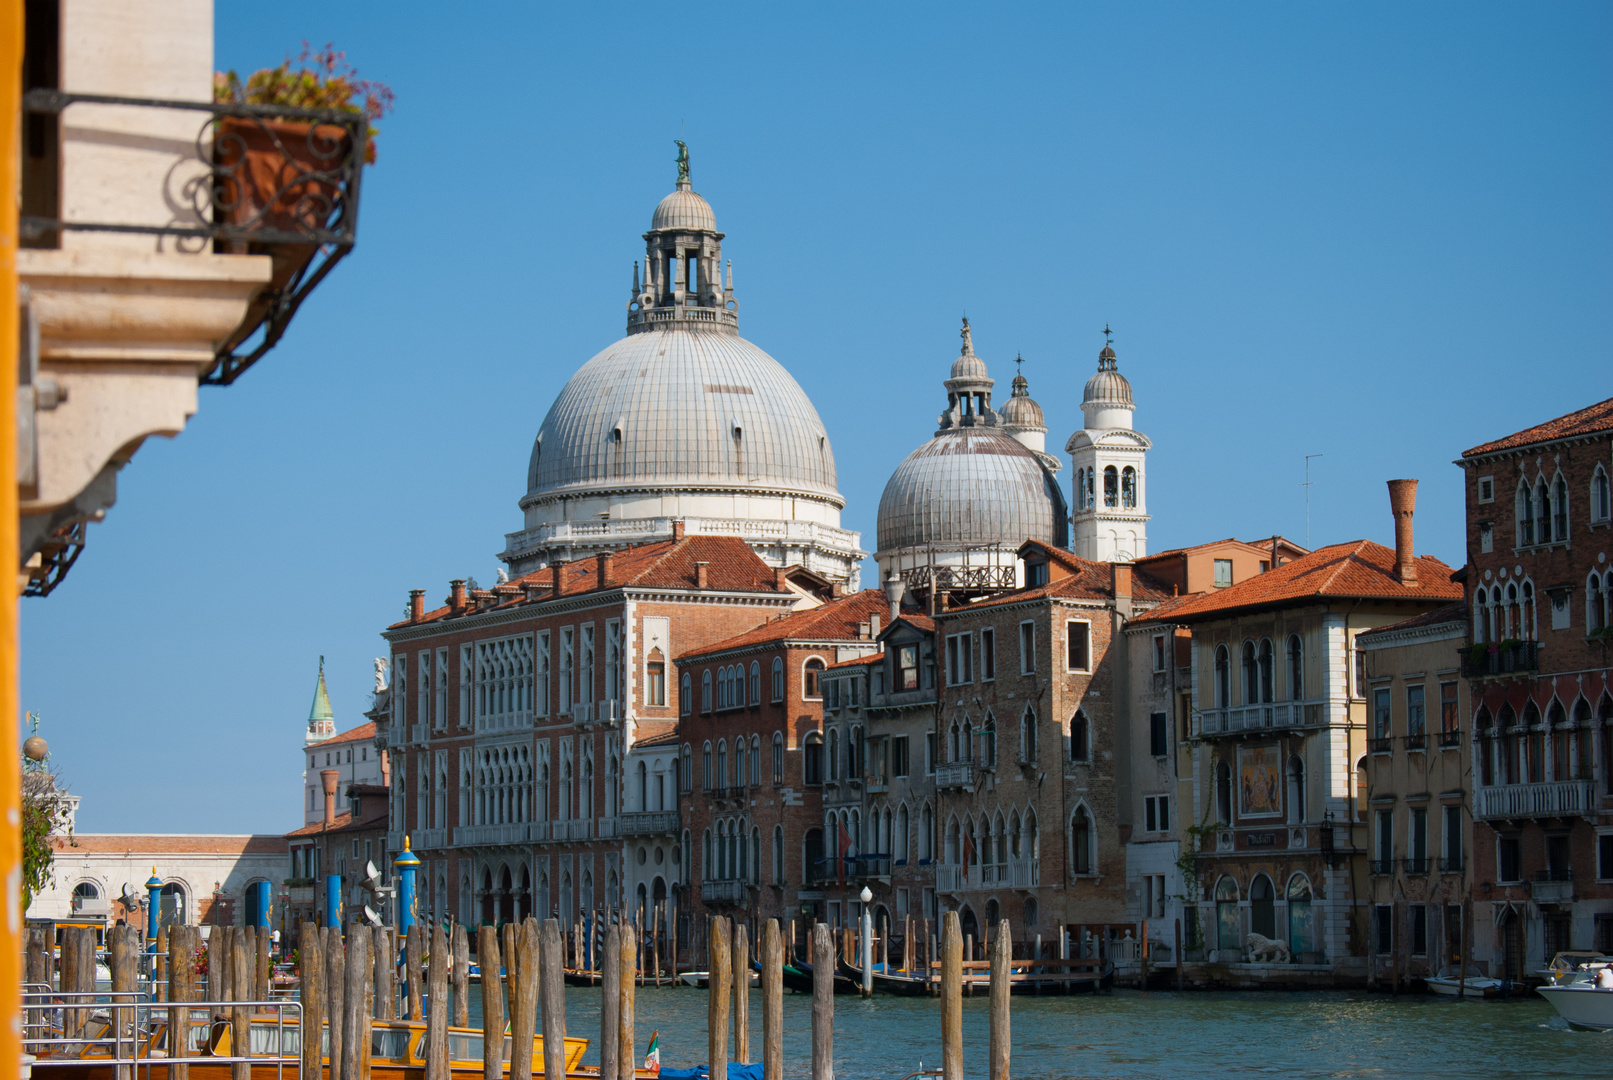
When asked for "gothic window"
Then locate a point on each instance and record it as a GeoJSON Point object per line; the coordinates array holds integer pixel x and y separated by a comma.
{"type": "Point", "coordinates": [834, 754]}
{"type": "Point", "coordinates": [1559, 508]}
{"type": "Point", "coordinates": [685, 694]}
{"type": "Point", "coordinates": [1523, 512]}
{"type": "Point", "coordinates": [778, 678]}
{"type": "Point", "coordinates": [1251, 675]}
{"type": "Point", "coordinates": [705, 691]}
{"type": "Point", "coordinates": [1223, 793]}
{"type": "Point", "coordinates": [755, 761]}
{"type": "Point", "coordinates": [755, 683]}
{"type": "Point", "coordinates": [1266, 675]}
{"type": "Point", "coordinates": [1596, 614]}
{"type": "Point", "coordinates": [1027, 737]}
{"type": "Point", "coordinates": [1526, 615]}
{"type": "Point", "coordinates": [1296, 668]}
{"type": "Point", "coordinates": [778, 757]}
{"type": "Point", "coordinates": [989, 741]}
{"type": "Point", "coordinates": [1542, 514]}
{"type": "Point", "coordinates": [686, 769]}
{"type": "Point", "coordinates": [1223, 677]}
{"type": "Point", "coordinates": [1601, 495]}
{"type": "Point", "coordinates": [741, 763]}
{"type": "Point", "coordinates": [705, 767]}
{"type": "Point", "coordinates": [722, 762]}
{"type": "Point", "coordinates": [1081, 841]}
{"type": "Point", "coordinates": [1128, 487]}
{"type": "Point", "coordinates": [1111, 485]}
{"type": "Point", "coordinates": [1079, 750]}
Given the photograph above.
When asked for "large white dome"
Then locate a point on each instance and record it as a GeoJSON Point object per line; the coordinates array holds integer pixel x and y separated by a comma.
{"type": "Point", "coordinates": [965, 488]}
{"type": "Point", "coordinates": [682, 408]}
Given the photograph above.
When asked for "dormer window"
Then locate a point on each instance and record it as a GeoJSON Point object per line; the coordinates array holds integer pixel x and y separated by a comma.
{"type": "Point", "coordinates": [1036, 573]}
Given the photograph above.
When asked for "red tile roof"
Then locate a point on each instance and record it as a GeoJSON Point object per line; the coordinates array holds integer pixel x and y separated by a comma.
{"type": "Point", "coordinates": [1593, 418]}
{"type": "Point", "coordinates": [838, 620]}
{"type": "Point", "coordinates": [1359, 569]}
{"type": "Point", "coordinates": [655, 733]}
{"type": "Point", "coordinates": [359, 734]}
{"type": "Point", "coordinates": [665, 564]}
{"type": "Point", "coordinates": [376, 819]}
{"type": "Point", "coordinates": [170, 843]}
{"type": "Point", "coordinates": [855, 661]}
{"type": "Point", "coordinates": [1087, 580]}
{"type": "Point", "coordinates": [1456, 612]}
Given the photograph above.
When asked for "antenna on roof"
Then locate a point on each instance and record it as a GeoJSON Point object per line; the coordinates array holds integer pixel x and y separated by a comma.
{"type": "Point", "coordinates": [1307, 486]}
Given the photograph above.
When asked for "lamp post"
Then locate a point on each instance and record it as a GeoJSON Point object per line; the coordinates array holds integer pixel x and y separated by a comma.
{"type": "Point", "coordinates": [153, 906]}
{"type": "Point", "coordinates": [406, 864]}
{"type": "Point", "coordinates": [868, 943]}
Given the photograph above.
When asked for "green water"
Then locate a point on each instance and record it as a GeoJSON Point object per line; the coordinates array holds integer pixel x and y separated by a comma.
{"type": "Point", "coordinates": [1131, 1034]}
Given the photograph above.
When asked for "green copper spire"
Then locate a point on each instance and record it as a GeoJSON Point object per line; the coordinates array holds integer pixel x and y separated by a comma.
{"type": "Point", "coordinates": [321, 721]}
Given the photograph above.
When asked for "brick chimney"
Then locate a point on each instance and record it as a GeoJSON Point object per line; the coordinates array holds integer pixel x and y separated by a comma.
{"type": "Point", "coordinates": [417, 604]}
{"type": "Point", "coordinates": [781, 579]}
{"type": "Point", "coordinates": [1120, 585]}
{"type": "Point", "coordinates": [554, 579]}
{"type": "Point", "coordinates": [1403, 503]}
{"type": "Point", "coordinates": [328, 778]}
{"type": "Point", "coordinates": [873, 626]}
{"type": "Point", "coordinates": [677, 529]}
{"type": "Point", "coordinates": [701, 578]}
{"type": "Point", "coordinates": [456, 595]}
{"type": "Point", "coordinates": [602, 563]}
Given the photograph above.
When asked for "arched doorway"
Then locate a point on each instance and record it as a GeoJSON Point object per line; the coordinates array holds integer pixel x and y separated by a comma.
{"type": "Point", "coordinates": [505, 898]}
{"type": "Point", "coordinates": [1262, 907]}
{"type": "Point", "coordinates": [971, 927]}
{"type": "Point", "coordinates": [813, 855]}
{"type": "Point", "coordinates": [1301, 926]}
{"type": "Point", "coordinates": [1228, 933]}
{"type": "Point", "coordinates": [171, 901]}
{"type": "Point", "coordinates": [1511, 946]}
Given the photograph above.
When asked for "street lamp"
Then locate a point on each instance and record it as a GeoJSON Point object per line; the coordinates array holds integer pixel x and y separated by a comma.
{"type": "Point", "coordinates": [868, 943]}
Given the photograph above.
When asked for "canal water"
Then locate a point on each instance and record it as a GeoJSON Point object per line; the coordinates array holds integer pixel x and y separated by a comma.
{"type": "Point", "coordinates": [1139, 1035]}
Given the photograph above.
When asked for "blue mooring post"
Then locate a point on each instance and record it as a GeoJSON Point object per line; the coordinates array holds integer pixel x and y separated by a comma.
{"type": "Point", "coordinates": [333, 900]}
{"type": "Point", "coordinates": [153, 909]}
{"type": "Point", "coordinates": [261, 903]}
{"type": "Point", "coordinates": [406, 864]}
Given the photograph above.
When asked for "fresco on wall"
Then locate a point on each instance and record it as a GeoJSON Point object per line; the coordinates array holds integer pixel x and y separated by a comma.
{"type": "Point", "coordinates": [1259, 784]}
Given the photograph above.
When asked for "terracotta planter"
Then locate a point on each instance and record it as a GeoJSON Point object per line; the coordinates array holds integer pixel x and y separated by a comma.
{"type": "Point", "coordinates": [280, 175]}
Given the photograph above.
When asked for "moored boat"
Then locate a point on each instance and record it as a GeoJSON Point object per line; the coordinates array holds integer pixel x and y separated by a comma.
{"type": "Point", "coordinates": [1471, 982]}
{"type": "Point", "coordinates": [1584, 996]}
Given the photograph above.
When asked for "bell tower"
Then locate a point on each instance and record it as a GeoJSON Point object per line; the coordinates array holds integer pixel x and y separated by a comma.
{"type": "Point", "coordinates": [1110, 503]}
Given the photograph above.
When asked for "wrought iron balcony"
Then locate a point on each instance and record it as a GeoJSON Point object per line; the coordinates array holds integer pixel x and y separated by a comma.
{"type": "Point", "coordinates": [279, 181]}
{"type": "Point", "coordinates": [1450, 739]}
{"type": "Point", "coordinates": [1416, 866]}
{"type": "Point", "coordinates": [1382, 744]}
{"type": "Point", "coordinates": [1450, 864]}
{"type": "Point", "coordinates": [1381, 867]}
{"type": "Point", "coordinates": [1518, 657]}
{"type": "Point", "coordinates": [1558, 798]}
{"type": "Point", "coordinates": [1419, 741]}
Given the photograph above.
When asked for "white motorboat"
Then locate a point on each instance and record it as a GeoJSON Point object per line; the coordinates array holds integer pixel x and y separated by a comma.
{"type": "Point", "coordinates": [701, 980]}
{"type": "Point", "coordinates": [1584, 996]}
{"type": "Point", "coordinates": [1472, 983]}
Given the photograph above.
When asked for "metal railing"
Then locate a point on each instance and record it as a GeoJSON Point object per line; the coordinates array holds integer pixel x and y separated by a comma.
{"type": "Point", "coordinates": [1418, 741]}
{"type": "Point", "coordinates": [1416, 866]}
{"type": "Point", "coordinates": [1381, 867]}
{"type": "Point", "coordinates": [1381, 744]}
{"type": "Point", "coordinates": [1450, 864]}
{"type": "Point", "coordinates": [309, 222]}
{"type": "Point", "coordinates": [1520, 656]}
{"type": "Point", "coordinates": [1449, 739]}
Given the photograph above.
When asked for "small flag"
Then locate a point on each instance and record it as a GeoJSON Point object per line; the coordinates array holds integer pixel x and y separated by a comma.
{"type": "Point", "coordinates": [652, 1059]}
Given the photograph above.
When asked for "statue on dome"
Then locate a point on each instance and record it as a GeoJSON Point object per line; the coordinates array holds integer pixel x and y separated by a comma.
{"type": "Point", "coordinates": [968, 338]}
{"type": "Point", "coordinates": [683, 161]}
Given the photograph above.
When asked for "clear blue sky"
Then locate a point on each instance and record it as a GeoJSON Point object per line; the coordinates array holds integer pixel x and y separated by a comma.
{"type": "Point", "coordinates": [1380, 233]}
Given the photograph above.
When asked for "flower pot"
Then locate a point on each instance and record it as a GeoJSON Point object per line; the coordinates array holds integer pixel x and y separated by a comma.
{"type": "Point", "coordinates": [276, 175]}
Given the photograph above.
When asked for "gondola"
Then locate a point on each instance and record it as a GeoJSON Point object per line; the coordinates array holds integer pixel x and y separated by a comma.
{"type": "Point", "coordinates": [891, 981]}
{"type": "Point", "coordinates": [798, 978]}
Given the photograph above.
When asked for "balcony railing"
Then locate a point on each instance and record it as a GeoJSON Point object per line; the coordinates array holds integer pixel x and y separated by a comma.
{"type": "Point", "coordinates": [582, 712]}
{"type": "Point", "coordinates": [1418, 741]}
{"type": "Point", "coordinates": [1025, 873]}
{"type": "Point", "coordinates": [956, 774]}
{"type": "Point", "coordinates": [307, 223]}
{"type": "Point", "coordinates": [429, 839]}
{"type": "Point", "coordinates": [575, 829]}
{"type": "Point", "coordinates": [1381, 867]}
{"type": "Point", "coordinates": [651, 823]}
{"type": "Point", "coordinates": [1552, 886]}
{"type": "Point", "coordinates": [724, 892]}
{"type": "Point", "coordinates": [1520, 657]}
{"type": "Point", "coordinates": [1281, 714]}
{"type": "Point", "coordinates": [1450, 864]}
{"type": "Point", "coordinates": [1382, 744]}
{"type": "Point", "coordinates": [1560, 798]}
{"type": "Point", "coordinates": [1450, 739]}
{"type": "Point", "coordinates": [949, 878]}
{"type": "Point", "coordinates": [520, 832]}
{"type": "Point", "coordinates": [1416, 866]}
{"type": "Point", "coordinates": [877, 785]}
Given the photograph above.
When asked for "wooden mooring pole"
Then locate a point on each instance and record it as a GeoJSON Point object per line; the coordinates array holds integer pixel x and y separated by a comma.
{"type": "Point", "coordinates": [521, 961]}
{"type": "Point", "coordinates": [1002, 948]}
{"type": "Point", "coordinates": [610, 1006]}
{"type": "Point", "coordinates": [386, 958]}
{"type": "Point", "coordinates": [355, 1002]}
{"type": "Point", "coordinates": [627, 996]}
{"type": "Point", "coordinates": [823, 1002]}
{"type": "Point", "coordinates": [335, 997]}
{"type": "Point", "coordinates": [717, 1004]}
{"type": "Point", "coordinates": [552, 991]}
{"type": "Point", "coordinates": [1181, 962]}
{"type": "Point", "coordinates": [413, 946]}
{"type": "Point", "coordinates": [242, 975]}
{"type": "Point", "coordinates": [951, 997]}
{"type": "Point", "coordinates": [487, 955]}
{"type": "Point", "coordinates": [311, 975]}
{"type": "Point", "coordinates": [461, 976]}
{"type": "Point", "coordinates": [740, 978]}
{"type": "Point", "coordinates": [772, 1002]}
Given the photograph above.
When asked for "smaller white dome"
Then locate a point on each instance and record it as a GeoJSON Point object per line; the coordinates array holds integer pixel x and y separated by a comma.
{"type": "Point", "coordinates": [1021, 410]}
{"type": "Point", "coordinates": [683, 211]}
{"type": "Point", "coordinates": [969, 366]}
{"type": "Point", "coordinates": [1107, 386]}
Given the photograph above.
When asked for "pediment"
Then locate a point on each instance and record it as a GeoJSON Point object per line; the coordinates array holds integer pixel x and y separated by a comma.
{"type": "Point", "coordinates": [1112, 439]}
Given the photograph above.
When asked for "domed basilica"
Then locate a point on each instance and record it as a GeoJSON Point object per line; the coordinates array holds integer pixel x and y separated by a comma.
{"type": "Point", "coordinates": [683, 419]}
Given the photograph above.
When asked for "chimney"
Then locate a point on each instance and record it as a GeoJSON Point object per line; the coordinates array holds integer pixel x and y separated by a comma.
{"type": "Point", "coordinates": [677, 529]}
{"type": "Point", "coordinates": [456, 595]}
{"type": "Point", "coordinates": [1403, 503]}
{"type": "Point", "coordinates": [781, 579]}
{"type": "Point", "coordinates": [1120, 585]}
{"type": "Point", "coordinates": [895, 587]}
{"type": "Point", "coordinates": [873, 626]}
{"type": "Point", "coordinates": [701, 579]}
{"type": "Point", "coordinates": [1273, 564]}
{"type": "Point", "coordinates": [386, 766]}
{"type": "Point", "coordinates": [554, 579]}
{"type": "Point", "coordinates": [417, 604]}
{"type": "Point", "coordinates": [328, 778]}
{"type": "Point", "coordinates": [602, 561]}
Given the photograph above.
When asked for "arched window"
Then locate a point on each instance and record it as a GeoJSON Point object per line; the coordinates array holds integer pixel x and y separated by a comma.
{"type": "Point", "coordinates": [741, 763]}
{"type": "Point", "coordinates": [1262, 907]}
{"type": "Point", "coordinates": [834, 755]}
{"type": "Point", "coordinates": [685, 695]}
{"type": "Point", "coordinates": [722, 763]}
{"type": "Point", "coordinates": [954, 848]}
{"type": "Point", "coordinates": [1301, 927]}
{"type": "Point", "coordinates": [1542, 513]}
{"type": "Point", "coordinates": [755, 761]}
{"type": "Point", "coordinates": [989, 742]}
{"type": "Point", "coordinates": [1111, 485]}
{"type": "Point", "coordinates": [1267, 690]}
{"type": "Point", "coordinates": [1251, 675]}
{"type": "Point", "coordinates": [1223, 793]}
{"type": "Point", "coordinates": [1027, 737]}
{"type": "Point", "coordinates": [1296, 790]}
{"type": "Point", "coordinates": [778, 757]}
{"type": "Point", "coordinates": [1559, 509]}
{"type": "Point", "coordinates": [1296, 668]}
{"type": "Point", "coordinates": [1601, 496]}
{"type": "Point", "coordinates": [705, 766]}
{"type": "Point", "coordinates": [707, 867]}
{"type": "Point", "coordinates": [926, 835]}
{"type": "Point", "coordinates": [1223, 677]}
{"type": "Point", "coordinates": [900, 839]}
{"type": "Point", "coordinates": [778, 855]}
{"type": "Point", "coordinates": [705, 691]}
{"type": "Point", "coordinates": [1080, 750]}
{"type": "Point", "coordinates": [1526, 616]}
{"type": "Point", "coordinates": [1228, 931]}
{"type": "Point", "coordinates": [643, 786]}
{"type": "Point", "coordinates": [755, 683]}
{"type": "Point", "coordinates": [1080, 489]}
{"type": "Point", "coordinates": [686, 769]}
{"type": "Point", "coordinates": [1361, 790]}
{"type": "Point", "coordinates": [1128, 487]}
{"type": "Point", "coordinates": [778, 678]}
{"type": "Point", "coordinates": [1081, 841]}
{"type": "Point", "coordinates": [1596, 607]}
{"type": "Point", "coordinates": [812, 759]}
{"type": "Point", "coordinates": [1091, 496]}
{"type": "Point", "coordinates": [810, 689]}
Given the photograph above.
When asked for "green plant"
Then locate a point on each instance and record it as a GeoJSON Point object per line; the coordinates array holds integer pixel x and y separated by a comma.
{"type": "Point", "coordinates": [42, 817]}
{"type": "Point", "coordinates": [1188, 862]}
{"type": "Point", "coordinates": [1476, 652]}
{"type": "Point", "coordinates": [1509, 644]}
{"type": "Point", "coordinates": [322, 80]}
{"type": "Point", "coordinates": [1603, 634]}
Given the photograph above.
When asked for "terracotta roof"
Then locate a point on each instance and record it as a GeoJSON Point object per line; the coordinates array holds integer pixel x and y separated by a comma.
{"type": "Point", "coordinates": [1263, 544]}
{"type": "Point", "coordinates": [661, 733]}
{"type": "Point", "coordinates": [917, 620]}
{"type": "Point", "coordinates": [1593, 418]}
{"type": "Point", "coordinates": [838, 620]}
{"type": "Point", "coordinates": [171, 843]}
{"type": "Point", "coordinates": [1360, 568]}
{"type": "Point", "coordinates": [1087, 580]}
{"type": "Point", "coordinates": [666, 564]}
{"type": "Point", "coordinates": [1456, 612]}
{"type": "Point", "coordinates": [344, 823]}
{"type": "Point", "coordinates": [361, 733]}
{"type": "Point", "coordinates": [855, 661]}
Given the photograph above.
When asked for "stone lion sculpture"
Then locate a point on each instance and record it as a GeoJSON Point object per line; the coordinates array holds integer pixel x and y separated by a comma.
{"type": "Point", "coordinates": [1259, 945]}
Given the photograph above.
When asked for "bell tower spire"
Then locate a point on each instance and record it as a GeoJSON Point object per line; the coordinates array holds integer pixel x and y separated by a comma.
{"type": "Point", "coordinates": [683, 279]}
{"type": "Point", "coordinates": [1110, 506]}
